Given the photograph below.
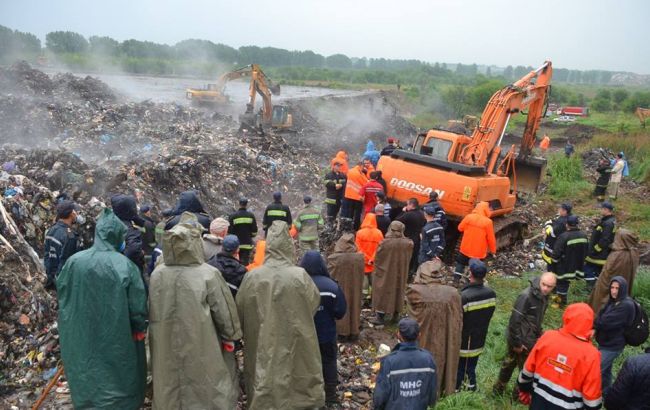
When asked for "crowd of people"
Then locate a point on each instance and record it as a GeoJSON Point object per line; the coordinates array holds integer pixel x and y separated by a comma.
{"type": "Point", "coordinates": [196, 290]}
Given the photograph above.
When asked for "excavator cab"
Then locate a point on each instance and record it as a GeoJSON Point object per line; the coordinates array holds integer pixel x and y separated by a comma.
{"type": "Point", "coordinates": [280, 117]}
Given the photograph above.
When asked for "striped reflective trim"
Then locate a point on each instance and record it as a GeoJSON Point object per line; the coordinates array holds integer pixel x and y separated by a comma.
{"type": "Point", "coordinates": [479, 304]}
{"type": "Point", "coordinates": [597, 248]}
{"type": "Point", "coordinates": [231, 286]}
{"type": "Point", "coordinates": [53, 239]}
{"type": "Point", "coordinates": [434, 229]}
{"type": "Point", "coordinates": [328, 294]}
{"type": "Point", "coordinates": [546, 258]}
{"type": "Point", "coordinates": [599, 228]}
{"type": "Point", "coordinates": [244, 246]}
{"type": "Point", "coordinates": [160, 229]}
{"type": "Point", "coordinates": [307, 217]}
{"type": "Point", "coordinates": [416, 370]}
{"type": "Point", "coordinates": [578, 240]}
{"type": "Point", "coordinates": [308, 238]}
{"type": "Point", "coordinates": [595, 261]}
{"type": "Point", "coordinates": [276, 212]}
{"type": "Point", "coordinates": [471, 353]}
{"type": "Point", "coordinates": [242, 220]}
{"type": "Point", "coordinates": [593, 403]}
{"type": "Point", "coordinates": [525, 376]}
{"type": "Point", "coordinates": [567, 275]}
{"type": "Point", "coordinates": [330, 201]}
{"type": "Point", "coordinates": [573, 399]}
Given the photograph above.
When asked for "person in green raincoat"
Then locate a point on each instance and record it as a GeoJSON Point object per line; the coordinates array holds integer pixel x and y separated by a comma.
{"type": "Point", "coordinates": [193, 326]}
{"type": "Point", "coordinates": [276, 304]}
{"type": "Point", "coordinates": [102, 320]}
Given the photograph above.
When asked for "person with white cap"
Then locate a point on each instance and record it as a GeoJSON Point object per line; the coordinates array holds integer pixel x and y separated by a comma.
{"type": "Point", "coordinates": [213, 240]}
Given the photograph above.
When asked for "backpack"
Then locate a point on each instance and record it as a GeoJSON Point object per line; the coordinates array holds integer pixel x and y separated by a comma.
{"type": "Point", "coordinates": [637, 333]}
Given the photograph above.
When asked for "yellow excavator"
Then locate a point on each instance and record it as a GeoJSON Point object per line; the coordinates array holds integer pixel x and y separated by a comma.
{"type": "Point", "coordinates": [642, 114]}
{"type": "Point", "coordinates": [274, 116]}
{"type": "Point", "coordinates": [467, 124]}
{"type": "Point", "coordinates": [213, 94]}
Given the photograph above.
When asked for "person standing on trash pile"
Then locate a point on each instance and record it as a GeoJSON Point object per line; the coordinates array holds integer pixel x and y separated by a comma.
{"type": "Point", "coordinates": [413, 219]}
{"type": "Point", "coordinates": [367, 241]}
{"type": "Point", "coordinates": [332, 308]}
{"type": "Point", "coordinates": [602, 238]}
{"type": "Point", "coordinates": [617, 174]}
{"type": "Point", "coordinates": [189, 201]}
{"type": "Point", "coordinates": [433, 237]}
{"type": "Point", "coordinates": [125, 208]}
{"type": "Point", "coordinates": [552, 229]}
{"type": "Point", "coordinates": [352, 207]}
{"type": "Point", "coordinates": [623, 261]}
{"type": "Point", "coordinates": [604, 174]}
{"type": "Point", "coordinates": [569, 252]}
{"type": "Point", "coordinates": [478, 238]}
{"type": "Point", "coordinates": [102, 322]}
{"type": "Point", "coordinates": [346, 266]}
{"type": "Point", "coordinates": [610, 325]}
{"type": "Point", "coordinates": [148, 231]}
{"type": "Point", "coordinates": [342, 158]}
{"type": "Point", "coordinates": [544, 144]}
{"type": "Point", "coordinates": [61, 241]}
{"type": "Point", "coordinates": [440, 216]}
{"type": "Point", "coordinates": [277, 303]}
{"type": "Point", "coordinates": [393, 144]}
{"type": "Point", "coordinates": [276, 211]}
{"type": "Point", "coordinates": [569, 149]}
{"type": "Point", "coordinates": [334, 189]}
{"type": "Point", "coordinates": [244, 225]}
{"type": "Point", "coordinates": [226, 261]}
{"type": "Point", "coordinates": [213, 240]}
{"type": "Point", "coordinates": [369, 193]}
{"type": "Point", "coordinates": [308, 222]}
{"type": "Point", "coordinates": [437, 309]}
{"type": "Point", "coordinates": [408, 376]}
{"type": "Point", "coordinates": [390, 274]}
{"type": "Point", "coordinates": [479, 302]}
{"type": "Point", "coordinates": [630, 390]}
{"type": "Point", "coordinates": [371, 154]}
{"type": "Point", "coordinates": [562, 370]}
{"type": "Point", "coordinates": [382, 221]}
{"type": "Point", "coordinates": [525, 327]}
{"type": "Point", "coordinates": [193, 326]}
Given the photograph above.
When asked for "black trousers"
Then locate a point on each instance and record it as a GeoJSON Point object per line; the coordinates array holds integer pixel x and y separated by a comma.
{"type": "Point", "coordinates": [328, 353]}
{"type": "Point", "coordinates": [244, 256]}
{"type": "Point", "coordinates": [352, 209]}
{"type": "Point", "coordinates": [333, 209]}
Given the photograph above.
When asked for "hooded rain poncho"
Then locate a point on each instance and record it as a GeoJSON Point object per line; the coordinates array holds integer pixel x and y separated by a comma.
{"type": "Point", "coordinates": [277, 303]}
{"type": "Point", "coordinates": [102, 302]}
{"type": "Point", "coordinates": [346, 266]}
{"type": "Point", "coordinates": [191, 312]}
{"type": "Point", "coordinates": [367, 241]}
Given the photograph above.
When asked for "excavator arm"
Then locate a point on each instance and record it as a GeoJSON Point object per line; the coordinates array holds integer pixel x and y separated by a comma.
{"type": "Point", "coordinates": [260, 84]}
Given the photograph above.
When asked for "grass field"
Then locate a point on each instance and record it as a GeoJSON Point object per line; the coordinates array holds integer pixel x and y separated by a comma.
{"type": "Point", "coordinates": [507, 290]}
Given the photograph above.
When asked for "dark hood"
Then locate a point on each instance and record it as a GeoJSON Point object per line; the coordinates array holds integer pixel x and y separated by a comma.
{"type": "Point", "coordinates": [535, 286]}
{"type": "Point", "coordinates": [314, 264]}
{"type": "Point", "coordinates": [622, 289]}
{"type": "Point", "coordinates": [125, 208]}
{"type": "Point", "coordinates": [625, 240]}
{"type": "Point", "coordinates": [345, 244]}
{"type": "Point", "coordinates": [188, 202]}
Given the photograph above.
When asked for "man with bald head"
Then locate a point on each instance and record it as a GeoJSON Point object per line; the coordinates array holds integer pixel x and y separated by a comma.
{"type": "Point", "coordinates": [525, 326]}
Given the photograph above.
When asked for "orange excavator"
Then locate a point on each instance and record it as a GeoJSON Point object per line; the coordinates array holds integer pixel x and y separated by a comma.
{"type": "Point", "coordinates": [275, 116]}
{"type": "Point", "coordinates": [465, 170]}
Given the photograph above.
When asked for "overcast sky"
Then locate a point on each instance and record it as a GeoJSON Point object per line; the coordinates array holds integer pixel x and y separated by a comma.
{"type": "Point", "coordinates": [578, 34]}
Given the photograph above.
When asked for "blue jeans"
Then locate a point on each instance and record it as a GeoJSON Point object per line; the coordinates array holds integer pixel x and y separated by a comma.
{"type": "Point", "coordinates": [467, 366]}
{"type": "Point", "coordinates": [607, 358]}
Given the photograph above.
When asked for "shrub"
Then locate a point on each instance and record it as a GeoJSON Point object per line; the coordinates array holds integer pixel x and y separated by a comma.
{"type": "Point", "coordinates": [566, 180]}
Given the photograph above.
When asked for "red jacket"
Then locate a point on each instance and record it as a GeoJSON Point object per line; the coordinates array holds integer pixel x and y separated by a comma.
{"type": "Point", "coordinates": [478, 233]}
{"type": "Point", "coordinates": [369, 193]}
{"type": "Point", "coordinates": [367, 241]}
{"type": "Point", "coordinates": [563, 369]}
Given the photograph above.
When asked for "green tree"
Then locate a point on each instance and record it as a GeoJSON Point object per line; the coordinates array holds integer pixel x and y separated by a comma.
{"type": "Point", "coordinates": [601, 104]}
{"type": "Point", "coordinates": [603, 94]}
{"type": "Point", "coordinates": [338, 61]}
{"type": "Point", "coordinates": [620, 95]}
{"type": "Point", "coordinates": [480, 95]}
{"type": "Point", "coordinates": [66, 42]}
{"type": "Point", "coordinates": [456, 100]}
{"type": "Point", "coordinates": [104, 46]}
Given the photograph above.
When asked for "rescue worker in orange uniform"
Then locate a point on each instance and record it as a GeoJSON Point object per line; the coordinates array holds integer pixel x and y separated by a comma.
{"type": "Point", "coordinates": [544, 144]}
{"type": "Point", "coordinates": [563, 369]}
{"type": "Point", "coordinates": [342, 158]}
{"type": "Point", "coordinates": [352, 206]}
{"type": "Point", "coordinates": [478, 238]}
{"type": "Point", "coordinates": [367, 241]}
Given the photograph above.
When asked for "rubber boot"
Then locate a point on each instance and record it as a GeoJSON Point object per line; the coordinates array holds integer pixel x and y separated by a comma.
{"type": "Point", "coordinates": [331, 397]}
{"type": "Point", "coordinates": [378, 320]}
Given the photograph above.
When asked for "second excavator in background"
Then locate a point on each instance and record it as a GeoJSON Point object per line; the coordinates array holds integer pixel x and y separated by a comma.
{"type": "Point", "coordinates": [465, 170]}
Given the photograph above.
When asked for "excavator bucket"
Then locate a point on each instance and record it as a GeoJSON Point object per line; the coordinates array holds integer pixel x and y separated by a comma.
{"type": "Point", "coordinates": [528, 173]}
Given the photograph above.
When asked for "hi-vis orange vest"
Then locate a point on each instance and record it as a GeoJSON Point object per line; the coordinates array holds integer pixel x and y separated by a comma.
{"type": "Point", "coordinates": [356, 179]}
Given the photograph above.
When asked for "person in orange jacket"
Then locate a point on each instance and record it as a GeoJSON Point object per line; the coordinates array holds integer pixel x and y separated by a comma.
{"type": "Point", "coordinates": [545, 143]}
{"type": "Point", "coordinates": [478, 238]}
{"type": "Point", "coordinates": [563, 369]}
{"type": "Point", "coordinates": [258, 259]}
{"type": "Point", "coordinates": [367, 241]}
{"type": "Point", "coordinates": [342, 158]}
{"type": "Point", "coordinates": [352, 206]}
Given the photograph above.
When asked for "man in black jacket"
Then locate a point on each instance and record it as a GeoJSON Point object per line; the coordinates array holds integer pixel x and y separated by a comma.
{"type": "Point", "coordinates": [525, 327]}
{"type": "Point", "coordinates": [413, 219]}
{"type": "Point", "coordinates": [334, 189]}
{"type": "Point", "coordinates": [569, 252]}
{"type": "Point", "coordinates": [610, 324]}
{"type": "Point", "coordinates": [440, 215]}
{"type": "Point", "coordinates": [276, 211]}
{"type": "Point", "coordinates": [244, 225]}
{"type": "Point", "coordinates": [602, 238]}
{"type": "Point", "coordinates": [61, 241]}
{"type": "Point", "coordinates": [479, 302]}
{"type": "Point", "coordinates": [226, 261]}
{"type": "Point", "coordinates": [125, 208]}
{"type": "Point", "coordinates": [433, 237]}
{"type": "Point", "coordinates": [148, 231]}
{"type": "Point", "coordinates": [630, 390]}
{"type": "Point", "coordinates": [553, 228]}
{"type": "Point", "coordinates": [189, 202]}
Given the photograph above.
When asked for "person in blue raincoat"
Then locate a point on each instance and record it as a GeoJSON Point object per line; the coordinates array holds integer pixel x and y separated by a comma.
{"type": "Point", "coordinates": [102, 320]}
{"type": "Point", "coordinates": [371, 153]}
